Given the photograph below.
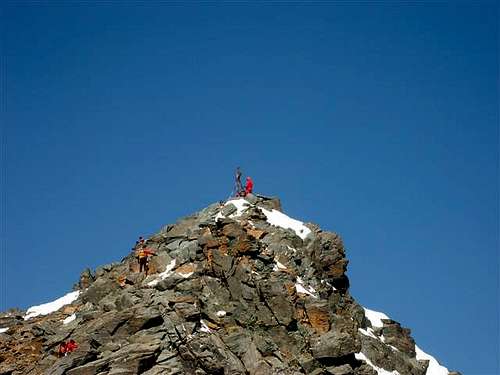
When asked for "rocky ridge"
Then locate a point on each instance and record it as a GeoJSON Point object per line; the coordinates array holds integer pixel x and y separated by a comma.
{"type": "Point", "coordinates": [237, 288]}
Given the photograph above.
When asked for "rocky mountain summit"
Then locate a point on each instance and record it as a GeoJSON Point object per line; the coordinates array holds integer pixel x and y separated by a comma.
{"type": "Point", "coordinates": [237, 288]}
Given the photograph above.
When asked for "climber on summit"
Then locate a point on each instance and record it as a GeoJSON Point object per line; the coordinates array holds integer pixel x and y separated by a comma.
{"type": "Point", "coordinates": [249, 186]}
{"type": "Point", "coordinates": [238, 187]}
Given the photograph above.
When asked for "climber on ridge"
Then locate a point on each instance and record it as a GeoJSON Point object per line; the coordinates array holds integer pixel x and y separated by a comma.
{"type": "Point", "coordinates": [143, 258]}
{"type": "Point", "coordinates": [249, 186]}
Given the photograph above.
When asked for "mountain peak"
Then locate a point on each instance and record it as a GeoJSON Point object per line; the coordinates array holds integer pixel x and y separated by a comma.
{"type": "Point", "coordinates": [236, 288]}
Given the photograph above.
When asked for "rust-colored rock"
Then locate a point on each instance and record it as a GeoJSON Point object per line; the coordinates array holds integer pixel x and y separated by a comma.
{"type": "Point", "coordinates": [319, 317]}
{"type": "Point", "coordinates": [185, 269]}
{"type": "Point", "coordinates": [256, 233]}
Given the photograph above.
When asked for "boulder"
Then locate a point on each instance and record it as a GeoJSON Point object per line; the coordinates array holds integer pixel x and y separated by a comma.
{"type": "Point", "coordinates": [334, 344]}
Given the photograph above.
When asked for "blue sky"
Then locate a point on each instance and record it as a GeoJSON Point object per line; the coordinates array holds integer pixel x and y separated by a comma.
{"type": "Point", "coordinates": [379, 122]}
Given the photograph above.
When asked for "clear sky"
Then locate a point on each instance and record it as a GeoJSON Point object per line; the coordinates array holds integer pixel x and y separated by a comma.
{"type": "Point", "coordinates": [379, 122]}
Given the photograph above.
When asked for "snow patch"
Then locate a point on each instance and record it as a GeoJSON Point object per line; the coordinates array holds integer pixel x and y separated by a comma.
{"type": "Point", "coordinates": [434, 367]}
{"type": "Point", "coordinates": [50, 307]}
{"type": "Point", "coordinates": [327, 283]}
{"type": "Point", "coordinates": [380, 370]}
{"type": "Point", "coordinates": [274, 217]}
{"type": "Point", "coordinates": [375, 317]}
{"type": "Point", "coordinates": [221, 313]}
{"type": "Point", "coordinates": [186, 275]}
{"type": "Point", "coordinates": [368, 332]}
{"type": "Point", "coordinates": [300, 288]}
{"type": "Point", "coordinates": [164, 274]}
{"type": "Point", "coordinates": [371, 333]}
{"type": "Point", "coordinates": [278, 266]}
{"type": "Point", "coordinates": [279, 219]}
{"type": "Point", "coordinates": [240, 204]}
{"type": "Point", "coordinates": [69, 319]}
{"type": "Point", "coordinates": [3, 330]}
{"type": "Point", "coordinates": [204, 327]}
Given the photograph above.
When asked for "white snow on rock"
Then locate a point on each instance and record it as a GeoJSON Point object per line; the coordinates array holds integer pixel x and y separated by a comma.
{"type": "Point", "coordinates": [3, 330]}
{"type": "Point", "coordinates": [327, 283]}
{"type": "Point", "coordinates": [375, 318]}
{"type": "Point", "coordinates": [204, 327]}
{"type": "Point", "coordinates": [434, 367]}
{"type": "Point", "coordinates": [164, 274]}
{"type": "Point", "coordinates": [50, 307]}
{"type": "Point", "coordinates": [221, 313]}
{"type": "Point", "coordinates": [368, 332]}
{"type": "Point", "coordinates": [278, 266]}
{"type": "Point", "coordinates": [300, 288]}
{"type": "Point", "coordinates": [240, 204]}
{"type": "Point", "coordinates": [274, 217]}
{"type": "Point", "coordinates": [69, 319]}
{"type": "Point", "coordinates": [380, 371]}
{"type": "Point", "coordinates": [371, 333]}
{"type": "Point", "coordinates": [279, 219]}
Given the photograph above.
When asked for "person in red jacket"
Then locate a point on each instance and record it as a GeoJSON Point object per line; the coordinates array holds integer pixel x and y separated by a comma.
{"type": "Point", "coordinates": [249, 186]}
{"type": "Point", "coordinates": [71, 346]}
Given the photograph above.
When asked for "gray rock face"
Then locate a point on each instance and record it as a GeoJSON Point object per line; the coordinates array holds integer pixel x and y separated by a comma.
{"type": "Point", "coordinates": [225, 294]}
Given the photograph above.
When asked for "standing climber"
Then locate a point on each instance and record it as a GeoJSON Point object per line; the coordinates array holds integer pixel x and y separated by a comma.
{"type": "Point", "coordinates": [142, 257]}
{"type": "Point", "coordinates": [249, 186]}
{"type": "Point", "coordinates": [238, 186]}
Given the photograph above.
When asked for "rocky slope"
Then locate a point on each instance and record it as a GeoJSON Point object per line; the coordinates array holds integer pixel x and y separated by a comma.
{"type": "Point", "coordinates": [238, 288]}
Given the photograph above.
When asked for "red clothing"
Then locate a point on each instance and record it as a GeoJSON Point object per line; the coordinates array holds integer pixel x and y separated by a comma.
{"type": "Point", "coordinates": [248, 186]}
{"type": "Point", "coordinates": [62, 349]}
{"type": "Point", "coordinates": [71, 346]}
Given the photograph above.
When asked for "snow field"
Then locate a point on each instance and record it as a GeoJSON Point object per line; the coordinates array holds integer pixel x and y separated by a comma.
{"type": "Point", "coordinates": [50, 307]}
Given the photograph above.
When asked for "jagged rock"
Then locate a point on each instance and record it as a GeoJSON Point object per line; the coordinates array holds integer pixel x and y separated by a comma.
{"type": "Point", "coordinates": [223, 295]}
{"type": "Point", "coordinates": [398, 337]}
{"type": "Point", "coordinates": [101, 288]}
{"type": "Point", "coordinates": [228, 209]}
{"type": "Point", "coordinates": [252, 199]}
{"type": "Point", "coordinates": [76, 359]}
{"type": "Point", "coordinates": [334, 344]}
{"type": "Point", "coordinates": [340, 370]}
{"type": "Point", "coordinates": [214, 357]}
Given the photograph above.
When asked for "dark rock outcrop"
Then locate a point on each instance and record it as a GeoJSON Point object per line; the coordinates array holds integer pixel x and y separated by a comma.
{"type": "Point", "coordinates": [234, 289]}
